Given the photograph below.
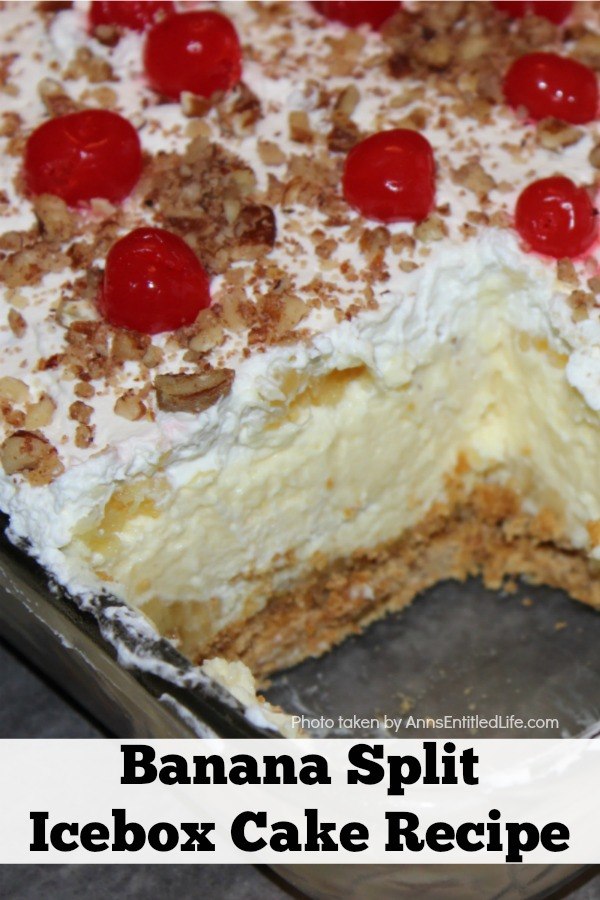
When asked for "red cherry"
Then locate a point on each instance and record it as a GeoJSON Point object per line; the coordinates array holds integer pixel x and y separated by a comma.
{"type": "Point", "coordinates": [557, 218]}
{"type": "Point", "coordinates": [92, 153]}
{"type": "Point", "coordinates": [550, 85]}
{"type": "Point", "coordinates": [390, 176]}
{"type": "Point", "coordinates": [152, 282]}
{"type": "Point", "coordinates": [195, 51]}
{"type": "Point", "coordinates": [554, 10]}
{"type": "Point", "coordinates": [134, 14]}
{"type": "Point", "coordinates": [516, 9]}
{"type": "Point", "coordinates": [355, 12]}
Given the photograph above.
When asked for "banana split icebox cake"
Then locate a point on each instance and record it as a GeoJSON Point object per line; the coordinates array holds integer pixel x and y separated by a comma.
{"type": "Point", "coordinates": [299, 307]}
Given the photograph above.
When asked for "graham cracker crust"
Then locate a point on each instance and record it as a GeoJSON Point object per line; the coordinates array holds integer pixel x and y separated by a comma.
{"type": "Point", "coordinates": [484, 534]}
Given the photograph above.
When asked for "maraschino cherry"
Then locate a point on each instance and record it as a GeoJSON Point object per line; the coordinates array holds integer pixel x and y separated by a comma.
{"type": "Point", "coordinates": [554, 10]}
{"type": "Point", "coordinates": [133, 14]}
{"type": "Point", "coordinates": [390, 176]}
{"type": "Point", "coordinates": [87, 154]}
{"type": "Point", "coordinates": [153, 282]}
{"type": "Point", "coordinates": [550, 85]}
{"type": "Point", "coordinates": [195, 51]}
{"type": "Point", "coordinates": [556, 218]}
{"type": "Point", "coordinates": [356, 12]}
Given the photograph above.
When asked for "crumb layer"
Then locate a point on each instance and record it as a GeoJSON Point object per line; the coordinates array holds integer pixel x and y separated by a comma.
{"type": "Point", "coordinates": [484, 534]}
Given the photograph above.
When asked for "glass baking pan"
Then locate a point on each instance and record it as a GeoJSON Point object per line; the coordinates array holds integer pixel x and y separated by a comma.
{"type": "Point", "coordinates": [441, 657]}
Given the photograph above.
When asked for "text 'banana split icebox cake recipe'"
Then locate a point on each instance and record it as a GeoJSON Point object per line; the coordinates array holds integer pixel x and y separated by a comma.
{"type": "Point", "coordinates": [300, 310]}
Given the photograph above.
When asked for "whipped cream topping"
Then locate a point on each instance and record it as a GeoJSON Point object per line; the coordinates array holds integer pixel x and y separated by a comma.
{"type": "Point", "coordinates": [389, 319]}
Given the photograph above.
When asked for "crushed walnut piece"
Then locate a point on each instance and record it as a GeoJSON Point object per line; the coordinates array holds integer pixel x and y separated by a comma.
{"type": "Point", "coordinates": [300, 130]}
{"type": "Point", "coordinates": [57, 222]}
{"type": "Point", "coordinates": [10, 124]}
{"type": "Point", "coordinates": [40, 413]}
{"type": "Point", "coordinates": [270, 153]}
{"type": "Point", "coordinates": [208, 332]}
{"type": "Point", "coordinates": [581, 302]}
{"type": "Point", "coordinates": [594, 156]}
{"type": "Point", "coordinates": [565, 272]}
{"type": "Point", "coordinates": [433, 228]}
{"type": "Point", "coordinates": [554, 134]}
{"type": "Point", "coordinates": [84, 390]}
{"type": "Point", "coordinates": [206, 197]}
{"type": "Point", "coordinates": [86, 64]}
{"type": "Point", "coordinates": [84, 436]}
{"type": "Point", "coordinates": [81, 412]}
{"type": "Point", "coordinates": [16, 323]}
{"type": "Point", "coordinates": [474, 177]}
{"type": "Point", "coordinates": [30, 454]}
{"type": "Point", "coordinates": [194, 392]}
{"type": "Point", "coordinates": [13, 390]}
{"type": "Point", "coordinates": [194, 106]}
{"type": "Point", "coordinates": [56, 99]}
{"type": "Point", "coordinates": [129, 345]}
{"type": "Point", "coordinates": [28, 266]}
{"type": "Point", "coordinates": [130, 406]}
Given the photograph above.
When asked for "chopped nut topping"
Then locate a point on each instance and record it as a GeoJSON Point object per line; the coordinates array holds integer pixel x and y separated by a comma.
{"type": "Point", "coordinates": [10, 124]}
{"type": "Point", "coordinates": [325, 249]}
{"type": "Point", "coordinates": [30, 454]}
{"type": "Point", "coordinates": [40, 414]}
{"type": "Point", "coordinates": [55, 98]}
{"type": "Point", "coordinates": [152, 357]}
{"type": "Point", "coordinates": [270, 153]}
{"type": "Point", "coordinates": [594, 284]}
{"type": "Point", "coordinates": [129, 345]}
{"type": "Point", "coordinates": [130, 406]}
{"type": "Point", "coordinates": [209, 332]}
{"type": "Point", "coordinates": [342, 137]}
{"type": "Point", "coordinates": [13, 389]}
{"type": "Point", "coordinates": [436, 53]}
{"type": "Point", "coordinates": [581, 302]}
{"type": "Point", "coordinates": [192, 393]}
{"type": "Point", "coordinates": [84, 436]}
{"type": "Point", "coordinates": [243, 108]}
{"type": "Point", "coordinates": [300, 130]}
{"type": "Point", "coordinates": [565, 271]}
{"type": "Point", "coordinates": [554, 134]}
{"type": "Point", "coordinates": [57, 222]}
{"type": "Point", "coordinates": [431, 229]}
{"type": "Point", "coordinates": [70, 310]}
{"type": "Point", "coordinates": [87, 65]}
{"type": "Point", "coordinates": [587, 50]}
{"type": "Point", "coordinates": [108, 35]}
{"type": "Point", "coordinates": [205, 197]}
{"type": "Point", "coordinates": [16, 323]}
{"type": "Point", "coordinates": [84, 390]}
{"type": "Point", "coordinates": [345, 52]}
{"type": "Point", "coordinates": [374, 240]}
{"type": "Point", "coordinates": [254, 231]}
{"type": "Point", "coordinates": [595, 156]}
{"type": "Point", "coordinates": [30, 265]}
{"type": "Point", "coordinates": [474, 177]}
{"type": "Point", "coordinates": [347, 101]}
{"type": "Point", "coordinates": [194, 106]}
{"type": "Point", "coordinates": [81, 412]}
